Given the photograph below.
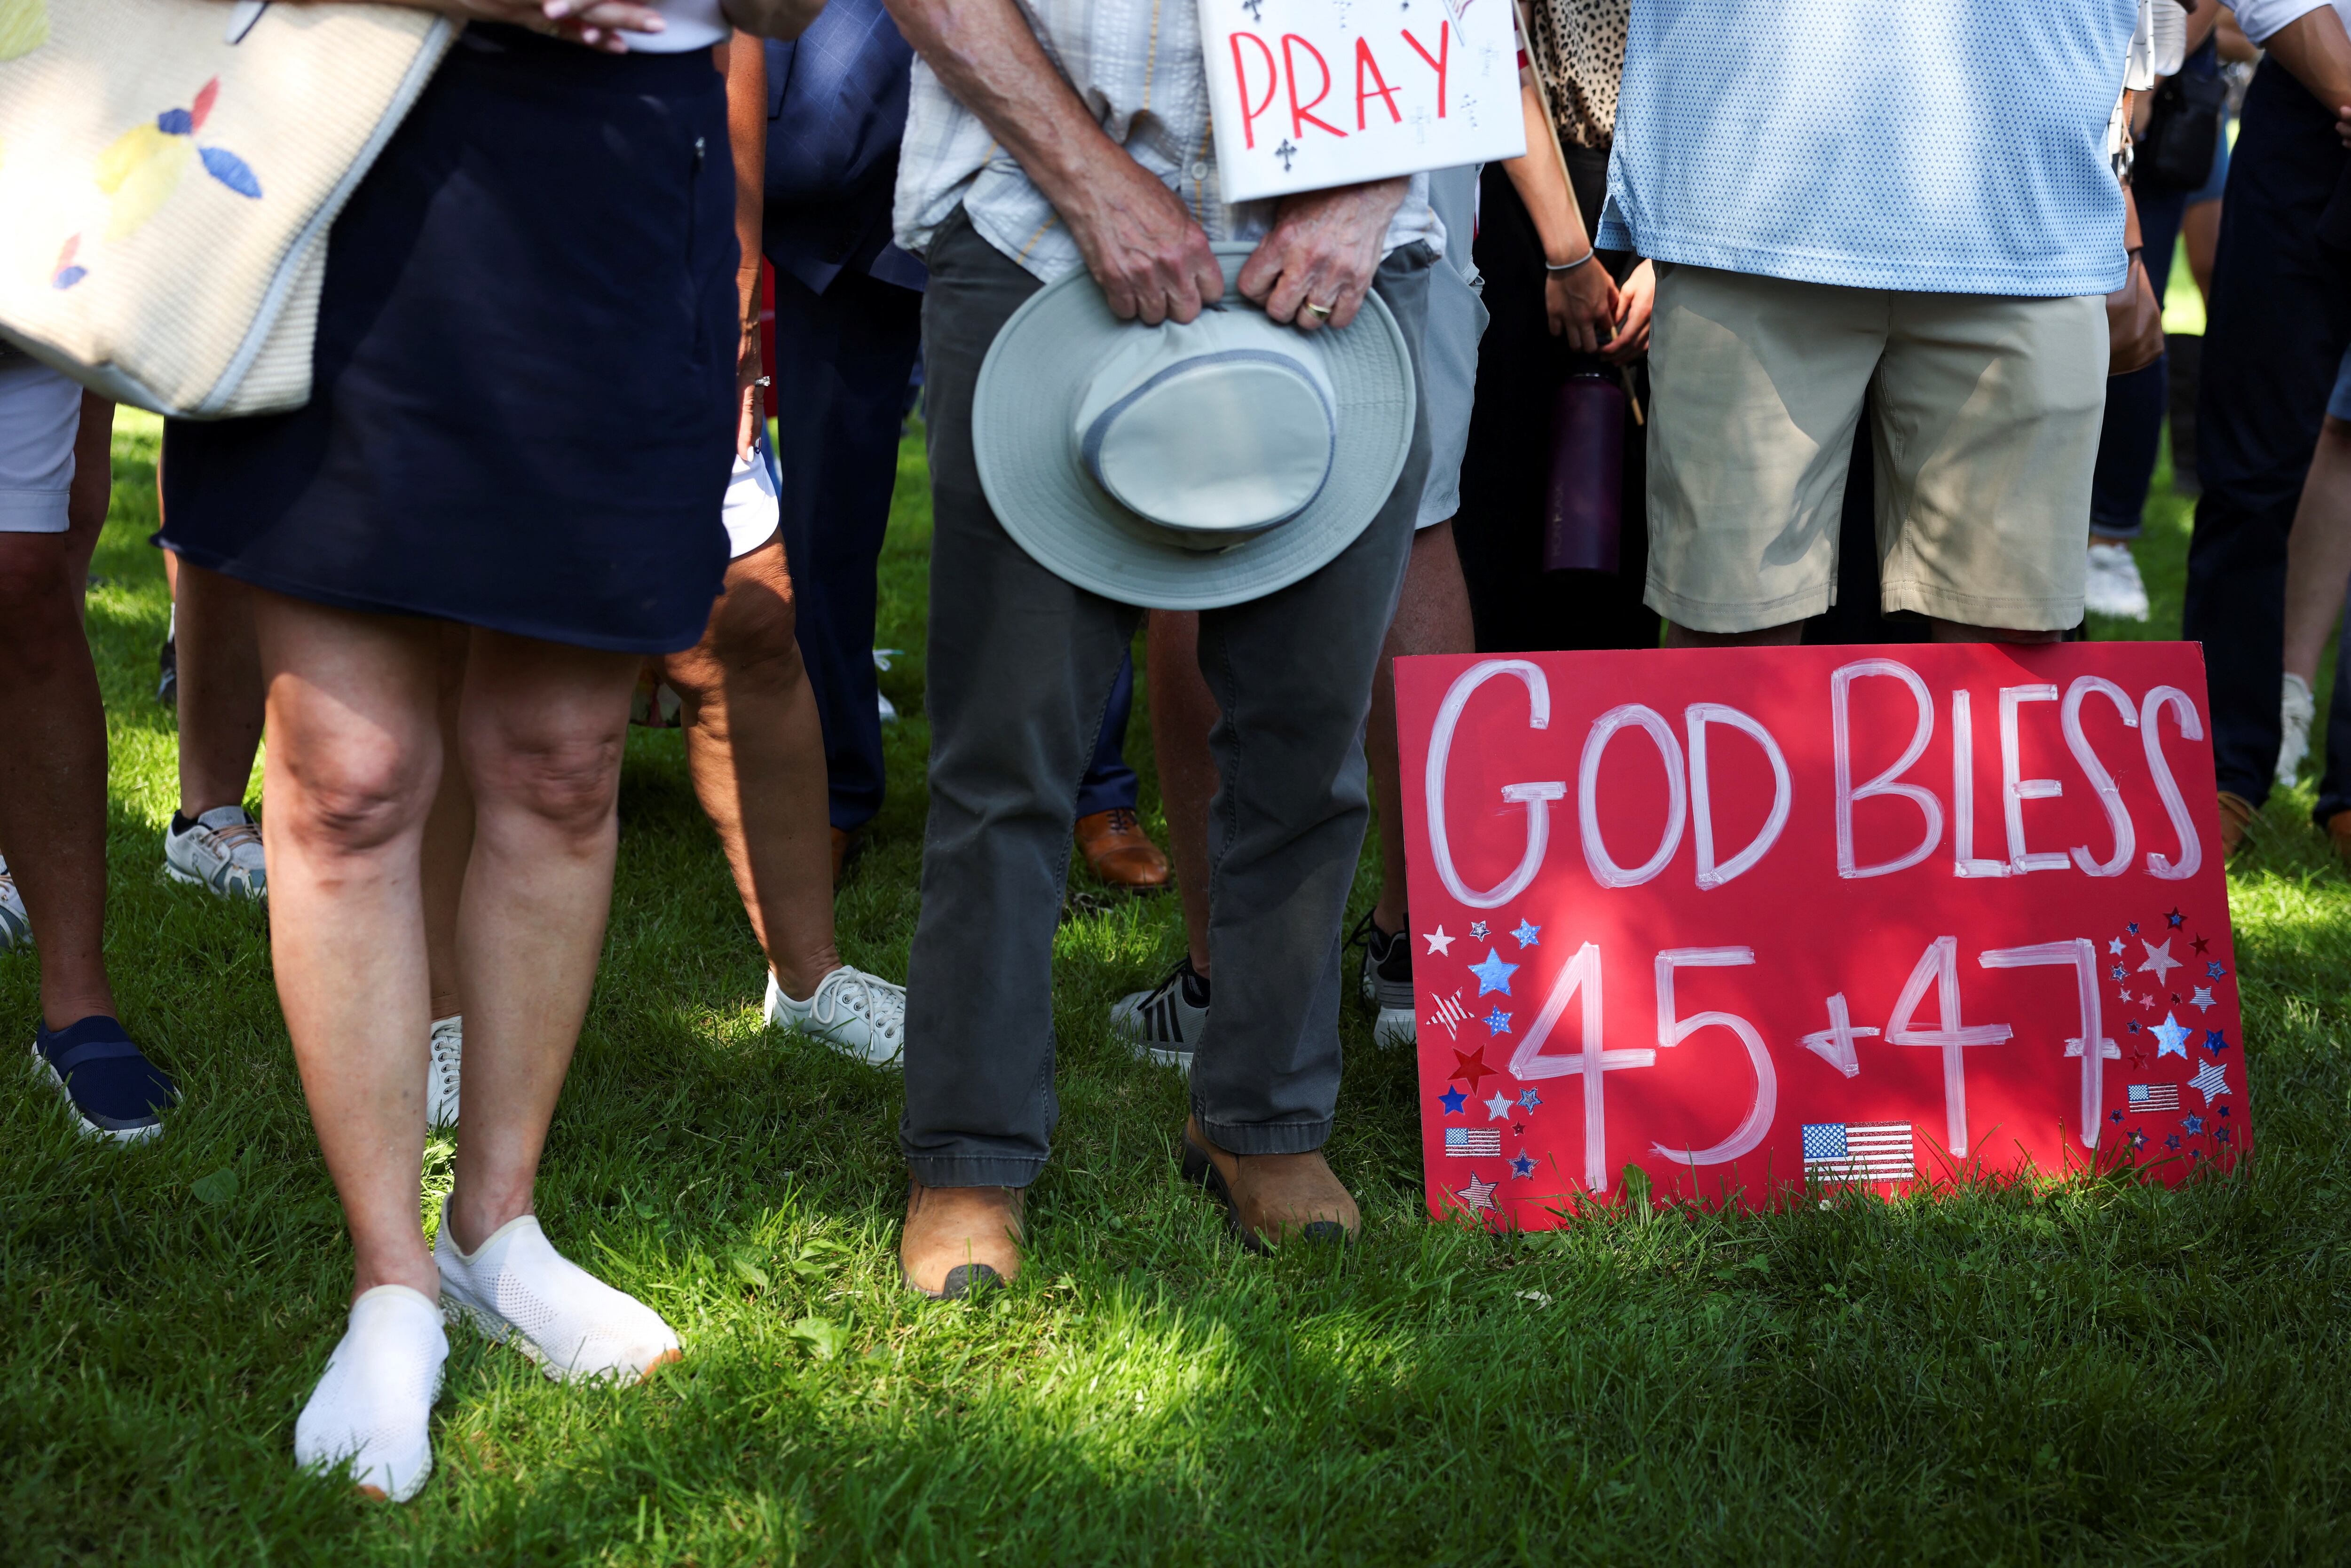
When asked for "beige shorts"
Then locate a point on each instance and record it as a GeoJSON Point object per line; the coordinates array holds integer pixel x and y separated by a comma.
{"type": "Point", "coordinates": [1985, 428]}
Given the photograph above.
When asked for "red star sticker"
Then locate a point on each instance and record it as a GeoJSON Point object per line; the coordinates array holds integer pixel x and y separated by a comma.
{"type": "Point", "coordinates": [2200, 944]}
{"type": "Point", "coordinates": [1470, 1066]}
{"type": "Point", "coordinates": [1518, 1129]}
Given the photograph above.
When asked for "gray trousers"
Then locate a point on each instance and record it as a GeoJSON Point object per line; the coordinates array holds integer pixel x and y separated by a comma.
{"type": "Point", "coordinates": [1021, 669]}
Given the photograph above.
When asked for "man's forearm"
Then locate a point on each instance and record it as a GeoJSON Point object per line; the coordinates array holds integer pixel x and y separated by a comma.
{"type": "Point", "coordinates": [1541, 180]}
{"type": "Point", "coordinates": [988, 57]}
{"type": "Point", "coordinates": [2315, 50]}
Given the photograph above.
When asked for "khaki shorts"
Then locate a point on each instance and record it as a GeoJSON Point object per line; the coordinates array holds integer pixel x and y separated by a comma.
{"type": "Point", "coordinates": [1986, 416]}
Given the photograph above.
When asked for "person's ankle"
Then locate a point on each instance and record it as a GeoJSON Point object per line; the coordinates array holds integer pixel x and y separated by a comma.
{"type": "Point", "coordinates": [798, 981]}
{"type": "Point", "coordinates": [469, 1227]}
{"type": "Point", "coordinates": [418, 1273]}
{"type": "Point", "coordinates": [1388, 922]}
{"type": "Point", "coordinates": [65, 1009]}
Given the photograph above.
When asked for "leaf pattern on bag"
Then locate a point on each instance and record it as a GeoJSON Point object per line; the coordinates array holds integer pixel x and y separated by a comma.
{"type": "Point", "coordinates": [144, 166]}
{"type": "Point", "coordinates": [24, 27]}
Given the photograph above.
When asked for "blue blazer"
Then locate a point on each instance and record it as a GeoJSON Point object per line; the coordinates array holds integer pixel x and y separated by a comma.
{"type": "Point", "coordinates": [836, 111]}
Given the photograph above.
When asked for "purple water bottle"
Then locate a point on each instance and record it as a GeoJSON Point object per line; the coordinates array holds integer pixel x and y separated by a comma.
{"type": "Point", "coordinates": [1582, 524]}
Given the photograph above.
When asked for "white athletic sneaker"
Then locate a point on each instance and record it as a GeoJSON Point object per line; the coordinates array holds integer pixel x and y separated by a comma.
{"type": "Point", "coordinates": [374, 1401]}
{"type": "Point", "coordinates": [15, 926]}
{"type": "Point", "coordinates": [516, 1289]}
{"type": "Point", "coordinates": [441, 1070]}
{"type": "Point", "coordinates": [2114, 586]}
{"type": "Point", "coordinates": [220, 850]}
{"type": "Point", "coordinates": [2296, 708]}
{"type": "Point", "coordinates": [1162, 1024]}
{"type": "Point", "coordinates": [857, 1014]}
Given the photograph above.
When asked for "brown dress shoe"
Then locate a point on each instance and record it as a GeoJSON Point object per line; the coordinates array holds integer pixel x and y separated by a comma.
{"type": "Point", "coordinates": [960, 1239]}
{"type": "Point", "coordinates": [2338, 834]}
{"type": "Point", "coordinates": [2236, 816]}
{"type": "Point", "coordinates": [1119, 851]}
{"type": "Point", "coordinates": [1269, 1198]}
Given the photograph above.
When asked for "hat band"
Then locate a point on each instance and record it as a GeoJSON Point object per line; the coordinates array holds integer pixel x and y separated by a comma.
{"type": "Point", "coordinates": [1090, 448]}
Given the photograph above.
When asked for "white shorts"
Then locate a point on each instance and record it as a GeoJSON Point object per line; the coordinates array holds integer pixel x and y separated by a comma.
{"type": "Point", "coordinates": [40, 414]}
{"type": "Point", "coordinates": [752, 512]}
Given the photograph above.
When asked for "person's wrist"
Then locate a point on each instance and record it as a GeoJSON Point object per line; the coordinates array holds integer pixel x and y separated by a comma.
{"type": "Point", "coordinates": [1558, 265]}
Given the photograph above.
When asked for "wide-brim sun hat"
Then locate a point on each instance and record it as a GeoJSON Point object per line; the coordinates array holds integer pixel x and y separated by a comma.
{"type": "Point", "coordinates": [1189, 466]}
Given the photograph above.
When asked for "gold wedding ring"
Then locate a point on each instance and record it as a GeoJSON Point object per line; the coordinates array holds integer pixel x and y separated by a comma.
{"type": "Point", "coordinates": [1322, 310]}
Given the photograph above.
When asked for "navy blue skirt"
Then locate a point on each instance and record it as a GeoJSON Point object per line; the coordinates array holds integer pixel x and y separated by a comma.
{"type": "Point", "coordinates": [523, 408]}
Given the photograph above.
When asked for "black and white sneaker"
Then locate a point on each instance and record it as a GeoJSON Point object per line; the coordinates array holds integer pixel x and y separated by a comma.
{"type": "Point", "coordinates": [15, 923]}
{"type": "Point", "coordinates": [1165, 1024]}
{"type": "Point", "coordinates": [1387, 981]}
{"type": "Point", "coordinates": [115, 1092]}
{"type": "Point", "coordinates": [221, 850]}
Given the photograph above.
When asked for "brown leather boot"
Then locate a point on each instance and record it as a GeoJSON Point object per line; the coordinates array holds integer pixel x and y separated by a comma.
{"type": "Point", "coordinates": [2236, 816]}
{"type": "Point", "coordinates": [1119, 851]}
{"type": "Point", "coordinates": [2338, 834]}
{"type": "Point", "coordinates": [960, 1239]}
{"type": "Point", "coordinates": [1269, 1198]}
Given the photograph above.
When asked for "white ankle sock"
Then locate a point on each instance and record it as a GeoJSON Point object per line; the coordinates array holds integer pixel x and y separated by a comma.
{"type": "Point", "coordinates": [374, 1401]}
{"type": "Point", "coordinates": [516, 1287]}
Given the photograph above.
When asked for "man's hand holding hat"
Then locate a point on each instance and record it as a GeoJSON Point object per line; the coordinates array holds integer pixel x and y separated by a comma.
{"type": "Point", "coordinates": [1315, 266]}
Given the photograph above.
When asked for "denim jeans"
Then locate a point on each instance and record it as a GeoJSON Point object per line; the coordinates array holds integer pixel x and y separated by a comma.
{"type": "Point", "coordinates": [1020, 670]}
{"type": "Point", "coordinates": [2281, 315]}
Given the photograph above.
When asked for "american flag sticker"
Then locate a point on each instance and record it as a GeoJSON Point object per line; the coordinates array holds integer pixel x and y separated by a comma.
{"type": "Point", "coordinates": [2155, 1096]}
{"type": "Point", "coordinates": [1858, 1150]}
{"type": "Point", "coordinates": [1473, 1143]}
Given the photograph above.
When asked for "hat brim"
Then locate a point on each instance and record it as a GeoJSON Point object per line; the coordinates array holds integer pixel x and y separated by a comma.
{"type": "Point", "coordinates": [1021, 414]}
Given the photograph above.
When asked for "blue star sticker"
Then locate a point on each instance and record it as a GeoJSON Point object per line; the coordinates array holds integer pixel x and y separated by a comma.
{"type": "Point", "coordinates": [1497, 1023]}
{"type": "Point", "coordinates": [2139, 1138]}
{"type": "Point", "coordinates": [1527, 936]}
{"type": "Point", "coordinates": [1529, 1099]}
{"type": "Point", "coordinates": [2116, 1117]}
{"type": "Point", "coordinates": [2221, 1136]}
{"type": "Point", "coordinates": [1478, 932]}
{"type": "Point", "coordinates": [2173, 918]}
{"type": "Point", "coordinates": [2224, 1110]}
{"type": "Point", "coordinates": [2214, 971]}
{"type": "Point", "coordinates": [2116, 973]}
{"type": "Point", "coordinates": [2132, 927]}
{"type": "Point", "coordinates": [1454, 1100]}
{"type": "Point", "coordinates": [1523, 1168]}
{"type": "Point", "coordinates": [2172, 1142]}
{"type": "Point", "coordinates": [2192, 1122]}
{"type": "Point", "coordinates": [2172, 1038]}
{"type": "Point", "coordinates": [1493, 975]}
{"type": "Point", "coordinates": [2213, 1042]}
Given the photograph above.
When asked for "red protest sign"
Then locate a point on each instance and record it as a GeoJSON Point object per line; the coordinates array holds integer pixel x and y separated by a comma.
{"type": "Point", "coordinates": [1753, 918]}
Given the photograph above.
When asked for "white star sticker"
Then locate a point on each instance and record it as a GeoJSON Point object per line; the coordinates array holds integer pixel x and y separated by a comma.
{"type": "Point", "coordinates": [1479, 1193]}
{"type": "Point", "coordinates": [2158, 958]}
{"type": "Point", "coordinates": [2116, 946]}
{"type": "Point", "coordinates": [2203, 997]}
{"type": "Point", "coordinates": [1438, 942]}
{"type": "Point", "coordinates": [2173, 1039]}
{"type": "Point", "coordinates": [2209, 1080]}
{"type": "Point", "coordinates": [1497, 1109]}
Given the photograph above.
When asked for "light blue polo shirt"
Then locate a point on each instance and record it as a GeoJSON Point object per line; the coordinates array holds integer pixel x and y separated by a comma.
{"type": "Point", "coordinates": [1946, 146]}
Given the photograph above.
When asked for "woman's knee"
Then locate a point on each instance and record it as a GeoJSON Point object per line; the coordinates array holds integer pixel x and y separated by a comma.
{"type": "Point", "coordinates": [569, 782]}
{"type": "Point", "coordinates": [349, 796]}
{"type": "Point", "coordinates": [753, 631]}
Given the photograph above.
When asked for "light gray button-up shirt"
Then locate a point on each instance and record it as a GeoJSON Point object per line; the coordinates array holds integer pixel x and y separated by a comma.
{"type": "Point", "coordinates": [1136, 66]}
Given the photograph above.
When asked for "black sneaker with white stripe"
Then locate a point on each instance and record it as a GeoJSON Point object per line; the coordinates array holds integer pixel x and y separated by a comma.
{"type": "Point", "coordinates": [1387, 981]}
{"type": "Point", "coordinates": [1165, 1024]}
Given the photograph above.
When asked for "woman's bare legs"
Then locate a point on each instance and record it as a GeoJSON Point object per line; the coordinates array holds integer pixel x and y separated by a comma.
{"type": "Point", "coordinates": [354, 755]}
{"type": "Point", "coordinates": [541, 731]}
{"type": "Point", "coordinates": [2318, 552]}
{"type": "Point", "coordinates": [354, 762]}
{"type": "Point", "coordinates": [1182, 711]}
{"type": "Point", "coordinates": [220, 694]}
{"type": "Point", "coordinates": [756, 751]}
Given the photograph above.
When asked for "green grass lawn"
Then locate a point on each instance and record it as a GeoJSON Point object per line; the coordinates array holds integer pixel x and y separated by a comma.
{"type": "Point", "coordinates": [2085, 1372]}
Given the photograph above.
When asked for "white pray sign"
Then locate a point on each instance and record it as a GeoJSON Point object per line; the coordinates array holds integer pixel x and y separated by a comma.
{"type": "Point", "coordinates": [1309, 94]}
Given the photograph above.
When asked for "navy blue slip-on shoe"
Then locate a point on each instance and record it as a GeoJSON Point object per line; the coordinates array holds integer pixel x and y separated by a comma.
{"type": "Point", "coordinates": [111, 1085]}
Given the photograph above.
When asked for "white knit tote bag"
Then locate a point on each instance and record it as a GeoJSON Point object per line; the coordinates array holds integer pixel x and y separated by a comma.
{"type": "Point", "coordinates": [169, 170]}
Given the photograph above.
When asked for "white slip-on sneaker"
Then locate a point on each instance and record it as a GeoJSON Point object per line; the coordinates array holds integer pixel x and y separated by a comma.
{"type": "Point", "coordinates": [2114, 586]}
{"type": "Point", "coordinates": [448, 1045]}
{"type": "Point", "coordinates": [1163, 1024]}
{"type": "Point", "coordinates": [15, 924]}
{"type": "Point", "coordinates": [373, 1405]}
{"type": "Point", "coordinates": [518, 1289]}
{"type": "Point", "coordinates": [221, 850]}
{"type": "Point", "coordinates": [859, 1015]}
{"type": "Point", "coordinates": [2296, 708]}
